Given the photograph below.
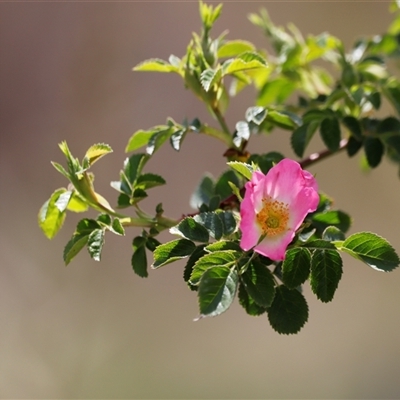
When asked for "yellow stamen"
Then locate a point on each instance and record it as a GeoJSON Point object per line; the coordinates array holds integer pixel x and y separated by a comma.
{"type": "Point", "coordinates": [273, 217]}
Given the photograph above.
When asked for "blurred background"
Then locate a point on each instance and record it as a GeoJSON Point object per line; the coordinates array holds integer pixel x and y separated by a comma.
{"type": "Point", "coordinates": [96, 330]}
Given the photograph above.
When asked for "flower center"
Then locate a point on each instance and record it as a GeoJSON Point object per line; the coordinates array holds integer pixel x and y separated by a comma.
{"type": "Point", "coordinates": [273, 217]}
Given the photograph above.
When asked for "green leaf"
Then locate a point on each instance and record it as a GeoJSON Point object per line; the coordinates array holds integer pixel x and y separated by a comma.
{"type": "Point", "coordinates": [222, 187]}
{"type": "Point", "coordinates": [330, 133]}
{"type": "Point", "coordinates": [50, 217]}
{"type": "Point", "coordinates": [223, 245]}
{"type": "Point", "coordinates": [243, 62]}
{"type": "Point", "coordinates": [331, 233]}
{"type": "Point", "coordinates": [326, 271]}
{"type": "Point", "coordinates": [139, 258]}
{"type": "Point", "coordinates": [301, 137]}
{"type": "Point", "coordinates": [296, 267]}
{"type": "Point", "coordinates": [288, 312]}
{"type": "Point", "coordinates": [283, 119]}
{"type": "Point", "coordinates": [212, 223]}
{"type": "Point", "coordinates": [228, 221]}
{"type": "Point", "coordinates": [319, 244]}
{"type": "Point", "coordinates": [139, 139]}
{"type": "Point", "coordinates": [77, 203]}
{"type": "Point", "coordinates": [61, 169]}
{"type": "Point", "coordinates": [158, 138]}
{"type": "Point", "coordinates": [209, 77]}
{"type": "Point", "coordinates": [132, 169]}
{"type": "Point", "coordinates": [244, 169]}
{"type": "Point", "coordinates": [374, 149]}
{"type": "Point", "coordinates": [256, 114]}
{"type": "Point", "coordinates": [155, 65]}
{"type": "Point", "coordinates": [373, 250]}
{"type": "Point", "coordinates": [97, 151]}
{"type": "Point", "coordinates": [194, 257]}
{"type": "Point", "coordinates": [218, 259]}
{"type": "Point", "coordinates": [332, 218]}
{"type": "Point", "coordinates": [190, 229]}
{"type": "Point", "coordinates": [248, 303]}
{"type": "Point", "coordinates": [259, 283]}
{"type": "Point", "coordinates": [147, 181]}
{"type": "Point", "coordinates": [203, 193]}
{"type": "Point", "coordinates": [169, 252]}
{"type": "Point", "coordinates": [217, 290]}
{"type": "Point", "coordinates": [95, 244]}
{"type": "Point", "coordinates": [117, 227]}
{"type": "Point", "coordinates": [233, 48]}
{"type": "Point", "coordinates": [353, 145]}
{"type": "Point", "coordinates": [242, 133]}
{"type": "Point", "coordinates": [177, 137]}
{"type": "Point", "coordinates": [354, 126]}
{"type": "Point", "coordinates": [74, 246]}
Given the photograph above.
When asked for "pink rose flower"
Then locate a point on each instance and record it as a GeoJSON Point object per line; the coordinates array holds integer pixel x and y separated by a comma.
{"type": "Point", "coordinates": [274, 207]}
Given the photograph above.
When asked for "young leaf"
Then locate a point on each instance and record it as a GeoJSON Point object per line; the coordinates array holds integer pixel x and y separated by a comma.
{"type": "Point", "coordinates": [296, 267]}
{"type": "Point", "coordinates": [190, 229]}
{"type": "Point", "coordinates": [373, 250]}
{"type": "Point", "coordinates": [95, 244]}
{"type": "Point", "coordinates": [139, 139]}
{"type": "Point", "coordinates": [172, 251]}
{"type": "Point", "coordinates": [330, 133]}
{"type": "Point", "coordinates": [326, 271]}
{"type": "Point", "coordinates": [210, 77]}
{"type": "Point", "coordinates": [217, 290]}
{"type": "Point", "coordinates": [155, 65]}
{"type": "Point", "coordinates": [139, 258]}
{"type": "Point", "coordinates": [74, 246]}
{"type": "Point", "coordinates": [259, 283]}
{"type": "Point", "coordinates": [284, 120]}
{"type": "Point", "coordinates": [117, 227]}
{"type": "Point", "coordinates": [242, 133]}
{"type": "Point", "coordinates": [233, 48]}
{"type": "Point", "coordinates": [50, 217]}
{"type": "Point", "coordinates": [97, 151]}
{"type": "Point", "coordinates": [244, 169]}
{"type": "Point", "coordinates": [288, 312]}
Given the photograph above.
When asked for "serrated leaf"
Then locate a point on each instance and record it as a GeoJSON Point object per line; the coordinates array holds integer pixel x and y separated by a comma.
{"type": "Point", "coordinates": [216, 291]}
{"type": "Point", "coordinates": [86, 225]}
{"type": "Point", "coordinates": [194, 257]}
{"type": "Point", "coordinates": [259, 283]}
{"type": "Point", "coordinates": [97, 151]}
{"type": "Point", "coordinates": [139, 258]}
{"type": "Point", "coordinates": [50, 217]}
{"type": "Point", "coordinates": [301, 137]}
{"type": "Point", "coordinates": [157, 139]}
{"type": "Point", "coordinates": [223, 245]}
{"type": "Point", "coordinates": [132, 169]}
{"type": "Point", "coordinates": [74, 246]}
{"type": "Point", "coordinates": [190, 229]}
{"type": "Point", "coordinates": [288, 312]}
{"type": "Point", "coordinates": [228, 221]}
{"type": "Point", "coordinates": [222, 187]}
{"type": "Point", "coordinates": [243, 62]}
{"type": "Point", "coordinates": [373, 250]}
{"type": "Point", "coordinates": [63, 200]}
{"type": "Point", "coordinates": [117, 227]}
{"type": "Point", "coordinates": [330, 133]}
{"type": "Point", "coordinates": [296, 267]}
{"type": "Point", "coordinates": [210, 77]}
{"type": "Point", "coordinates": [147, 181]}
{"type": "Point", "coordinates": [212, 223]}
{"type": "Point", "coordinates": [169, 252]}
{"type": "Point", "coordinates": [242, 133]}
{"type": "Point", "coordinates": [331, 233]}
{"type": "Point", "coordinates": [282, 119]}
{"type": "Point", "coordinates": [77, 203]}
{"type": "Point", "coordinates": [248, 303]}
{"type": "Point", "coordinates": [326, 271]}
{"type": "Point", "coordinates": [233, 48]}
{"type": "Point", "coordinates": [354, 126]}
{"type": "Point", "coordinates": [353, 146]}
{"type": "Point", "coordinates": [95, 244]}
{"type": "Point", "coordinates": [139, 139]}
{"type": "Point", "coordinates": [336, 218]}
{"type": "Point", "coordinates": [244, 169]}
{"type": "Point", "coordinates": [177, 137]}
{"type": "Point", "coordinates": [155, 65]}
{"type": "Point", "coordinates": [218, 259]}
{"type": "Point", "coordinates": [374, 149]}
{"type": "Point", "coordinates": [319, 244]}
